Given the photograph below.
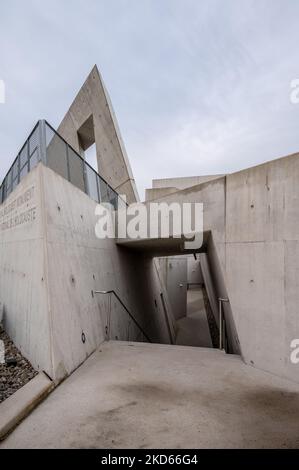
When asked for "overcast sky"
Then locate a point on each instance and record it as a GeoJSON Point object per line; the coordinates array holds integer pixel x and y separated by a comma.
{"type": "Point", "coordinates": [198, 86]}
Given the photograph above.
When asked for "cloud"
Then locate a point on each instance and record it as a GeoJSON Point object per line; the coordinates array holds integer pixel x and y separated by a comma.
{"type": "Point", "coordinates": [198, 87]}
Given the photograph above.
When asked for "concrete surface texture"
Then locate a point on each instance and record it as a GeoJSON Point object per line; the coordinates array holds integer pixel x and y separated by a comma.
{"type": "Point", "coordinates": [183, 182]}
{"type": "Point", "coordinates": [194, 271]}
{"type": "Point", "coordinates": [154, 193]}
{"type": "Point", "coordinates": [262, 259]}
{"type": "Point", "coordinates": [188, 307]}
{"type": "Point", "coordinates": [23, 279]}
{"type": "Point", "coordinates": [79, 263]}
{"type": "Point", "coordinates": [167, 186]}
{"type": "Point", "coordinates": [174, 270]}
{"type": "Point", "coordinates": [19, 405]}
{"type": "Point", "coordinates": [253, 254]}
{"type": "Point", "coordinates": [156, 396]}
{"type": "Point", "coordinates": [51, 262]}
{"type": "Point", "coordinates": [193, 329]}
{"type": "Point", "coordinates": [91, 119]}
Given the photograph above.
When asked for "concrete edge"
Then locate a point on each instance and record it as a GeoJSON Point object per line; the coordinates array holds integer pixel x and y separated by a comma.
{"type": "Point", "coordinates": [16, 407]}
{"type": "Point", "coordinates": [182, 347]}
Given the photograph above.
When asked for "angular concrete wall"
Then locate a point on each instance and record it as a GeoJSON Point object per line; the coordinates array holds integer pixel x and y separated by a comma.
{"type": "Point", "coordinates": [155, 193]}
{"type": "Point", "coordinates": [91, 118]}
{"type": "Point", "coordinates": [254, 257]}
{"type": "Point", "coordinates": [183, 182]}
{"type": "Point", "coordinates": [49, 266]}
{"type": "Point", "coordinates": [262, 234]}
{"type": "Point", "coordinates": [167, 186]}
{"type": "Point", "coordinates": [23, 272]}
{"type": "Point", "coordinates": [175, 274]}
{"type": "Point", "coordinates": [78, 264]}
{"type": "Point", "coordinates": [213, 196]}
{"type": "Point", "coordinates": [220, 291]}
{"type": "Point", "coordinates": [194, 271]}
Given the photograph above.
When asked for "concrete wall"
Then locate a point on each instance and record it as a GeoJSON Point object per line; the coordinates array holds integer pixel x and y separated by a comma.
{"type": "Point", "coordinates": [49, 266]}
{"type": "Point", "coordinates": [78, 264]}
{"type": "Point", "coordinates": [213, 197]}
{"type": "Point", "coordinates": [219, 290]}
{"type": "Point", "coordinates": [165, 187]}
{"type": "Point", "coordinates": [254, 257]}
{"type": "Point", "coordinates": [23, 272]}
{"type": "Point", "coordinates": [262, 233]}
{"type": "Point", "coordinates": [156, 193]}
{"type": "Point", "coordinates": [194, 271]}
{"type": "Point", "coordinates": [174, 270]}
{"type": "Point", "coordinates": [182, 182]}
{"type": "Point", "coordinates": [177, 272]}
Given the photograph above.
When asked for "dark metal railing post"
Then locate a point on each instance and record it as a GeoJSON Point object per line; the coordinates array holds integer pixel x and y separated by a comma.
{"type": "Point", "coordinates": [99, 189]}
{"type": "Point", "coordinates": [28, 156]}
{"type": "Point", "coordinates": [42, 141]}
{"type": "Point", "coordinates": [68, 164]}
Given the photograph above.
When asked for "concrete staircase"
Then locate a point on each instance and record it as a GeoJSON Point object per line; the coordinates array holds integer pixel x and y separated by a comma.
{"type": "Point", "coordinates": [193, 330]}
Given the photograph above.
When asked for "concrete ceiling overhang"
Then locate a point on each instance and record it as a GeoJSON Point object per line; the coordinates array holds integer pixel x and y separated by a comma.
{"type": "Point", "coordinates": [154, 247]}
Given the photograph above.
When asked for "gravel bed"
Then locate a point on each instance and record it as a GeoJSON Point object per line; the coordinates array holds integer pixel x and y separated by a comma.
{"type": "Point", "coordinates": [16, 371]}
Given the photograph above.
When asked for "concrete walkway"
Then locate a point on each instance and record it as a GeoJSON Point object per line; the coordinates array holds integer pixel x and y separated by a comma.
{"type": "Point", "coordinates": [153, 396]}
{"type": "Point", "coordinates": [193, 330]}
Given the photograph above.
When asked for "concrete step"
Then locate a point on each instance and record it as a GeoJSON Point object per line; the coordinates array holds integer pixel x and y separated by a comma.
{"type": "Point", "coordinates": [201, 352]}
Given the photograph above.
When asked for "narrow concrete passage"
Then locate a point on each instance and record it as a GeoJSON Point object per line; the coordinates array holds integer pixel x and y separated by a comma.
{"type": "Point", "coordinates": [138, 395]}
{"type": "Point", "coordinates": [193, 330]}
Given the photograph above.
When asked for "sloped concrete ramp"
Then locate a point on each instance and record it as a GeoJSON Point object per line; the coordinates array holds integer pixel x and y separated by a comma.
{"type": "Point", "coordinates": [129, 395]}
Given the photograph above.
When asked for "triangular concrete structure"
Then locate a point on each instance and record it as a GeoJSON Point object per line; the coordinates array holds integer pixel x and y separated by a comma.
{"type": "Point", "coordinates": [91, 119]}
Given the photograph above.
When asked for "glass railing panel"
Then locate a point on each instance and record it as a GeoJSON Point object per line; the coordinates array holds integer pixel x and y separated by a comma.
{"type": "Point", "coordinates": [24, 156]}
{"type": "Point", "coordinates": [34, 140]}
{"type": "Point", "coordinates": [76, 167]}
{"type": "Point", "coordinates": [62, 159]}
{"type": "Point", "coordinates": [8, 182]}
{"type": "Point", "coordinates": [112, 197]}
{"type": "Point", "coordinates": [15, 183]}
{"type": "Point", "coordinates": [15, 170]}
{"type": "Point", "coordinates": [34, 159]}
{"type": "Point", "coordinates": [56, 153]}
{"type": "Point", "coordinates": [49, 135]}
{"type": "Point", "coordinates": [24, 171]}
{"type": "Point", "coordinates": [8, 191]}
{"type": "Point", "coordinates": [103, 188]}
{"type": "Point", "coordinates": [15, 173]}
{"type": "Point", "coordinates": [92, 187]}
{"type": "Point", "coordinates": [29, 155]}
{"type": "Point", "coordinates": [121, 204]}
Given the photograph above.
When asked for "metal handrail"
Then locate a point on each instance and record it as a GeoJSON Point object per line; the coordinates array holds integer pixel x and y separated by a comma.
{"type": "Point", "coordinates": [127, 310]}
